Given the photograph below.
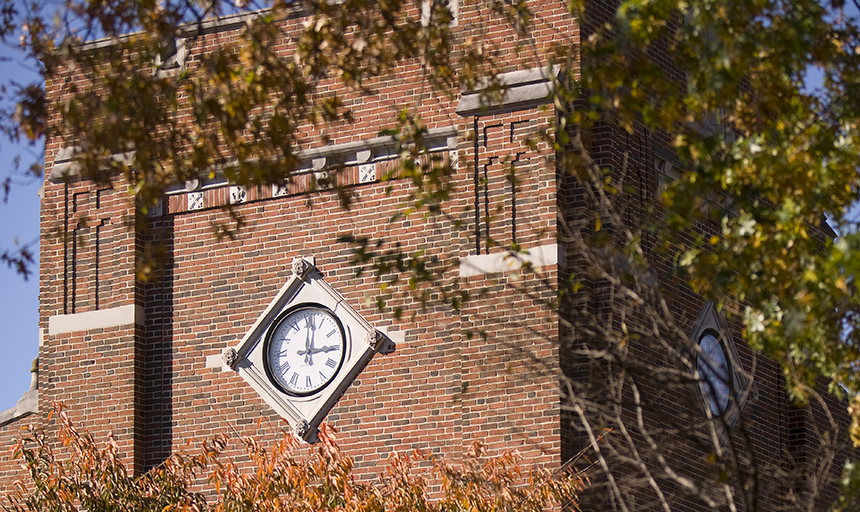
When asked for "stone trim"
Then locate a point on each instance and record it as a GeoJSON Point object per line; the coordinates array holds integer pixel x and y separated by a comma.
{"type": "Point", "coordinates": [481, 264]}
{"type": "Point", "coordinates": [174, 64]}
{"type": "Point", "coordinates": [66, 170]}
{"type": "Point", "coordinates": [209, 26]}
{"type": "Point", "coordinates": [381, 147]}
{"type": "Point", "coordinates": [121, 315]}
{"type": "Point", "coordinates": [187, 30]}
{"type": "Point", "coordinates": [377, 149]}
{"type": "Point", "coordinates": [28, 403]}
{"type": "Point", "coordinates": [520, 90]}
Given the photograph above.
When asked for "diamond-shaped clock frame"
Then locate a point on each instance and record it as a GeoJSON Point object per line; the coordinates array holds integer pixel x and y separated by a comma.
{"type": "Point", "coordinates": [362, 342]}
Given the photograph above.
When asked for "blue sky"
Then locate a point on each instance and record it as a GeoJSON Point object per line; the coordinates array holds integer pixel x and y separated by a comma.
{"type": "Point", "coordinates": [19, 224]}
{"type": "Point", "coordinates": [19, 300]}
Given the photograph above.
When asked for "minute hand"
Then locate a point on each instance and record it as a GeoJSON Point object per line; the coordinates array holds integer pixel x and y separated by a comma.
{"type": "Point", "coordinates": [309, 348]}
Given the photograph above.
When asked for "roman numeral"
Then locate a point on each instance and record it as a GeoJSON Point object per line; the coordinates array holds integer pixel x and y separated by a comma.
{"type": "Point", "coordinates": [322, 377]}
{"type": "Point", "coordinates": [294, 379]}
{"type": "Point", "coordinates": [331, 362]}
{"type": "Point", "coordinates": [308, 381]}
{"type": "Point", "coordinates": [284, 368]}
{"type": "Point", "coordinates": [329, 335]}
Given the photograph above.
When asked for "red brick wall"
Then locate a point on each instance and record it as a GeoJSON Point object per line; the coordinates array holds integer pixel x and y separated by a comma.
{"type": "Point", "coordinates": [12, 470]}
{"type": "Point", "coordinates": [486, 372]}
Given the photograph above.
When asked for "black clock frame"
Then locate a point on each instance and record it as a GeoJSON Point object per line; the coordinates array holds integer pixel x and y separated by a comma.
{"type": "Point", "coordinates": [274, 327]}
{"type": "Point", "coordinates": [729, 379]}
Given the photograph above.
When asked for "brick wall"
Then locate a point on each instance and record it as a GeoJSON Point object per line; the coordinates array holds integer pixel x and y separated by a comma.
{"type": "Point", "coordinates": [488, 372]}
{"type": "Point", "coordinates": [12, 470]}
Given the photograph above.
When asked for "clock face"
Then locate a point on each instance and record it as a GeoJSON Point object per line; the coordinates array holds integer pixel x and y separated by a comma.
{"type": "Point", "coordinates": [714, 374]}
{"type": "Point", "coordinates": [304, 350]}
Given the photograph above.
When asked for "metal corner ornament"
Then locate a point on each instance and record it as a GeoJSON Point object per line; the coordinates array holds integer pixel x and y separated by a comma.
{"type": "Point", "coordinates": [305, 350]}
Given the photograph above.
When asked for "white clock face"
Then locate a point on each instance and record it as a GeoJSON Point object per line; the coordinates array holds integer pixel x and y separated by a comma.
{"type": "Point", "coordinates": [714, 374]}
{"type": "Point", "coordinates": [304, 350]}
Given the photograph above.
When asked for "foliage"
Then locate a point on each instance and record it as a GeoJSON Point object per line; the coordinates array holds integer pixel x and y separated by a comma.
{"type": "Point", "coordinates": [283, 476]}
{"type": "Point", "coordinates": [20, 259]}
{"type": "Point", "coordinates": [762, 157]}
{"type": "Point", "coordinates": [753, 128]}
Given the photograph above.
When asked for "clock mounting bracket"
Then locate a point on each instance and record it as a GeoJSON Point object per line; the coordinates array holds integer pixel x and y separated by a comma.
{"type": "Point", "coordinates": [306, 287]}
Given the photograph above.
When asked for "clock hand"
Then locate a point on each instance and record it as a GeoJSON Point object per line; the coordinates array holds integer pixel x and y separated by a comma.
{"type": "Point", "coordinates": [309, 355]}
{"type": "Point", "coordinates": [311, 351]}
{"type": "Point", "coordinates": [325, 349]}
{"type": "Point", "coordinates": [307, 344]}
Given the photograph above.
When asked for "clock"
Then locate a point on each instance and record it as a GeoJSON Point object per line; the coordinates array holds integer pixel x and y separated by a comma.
{"type": "Point", "coordinates": [304, 349]}
{"type": "Point", "coordinates": [714, 373]}
{"type": "Point", "coordinates": [718, 379]}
